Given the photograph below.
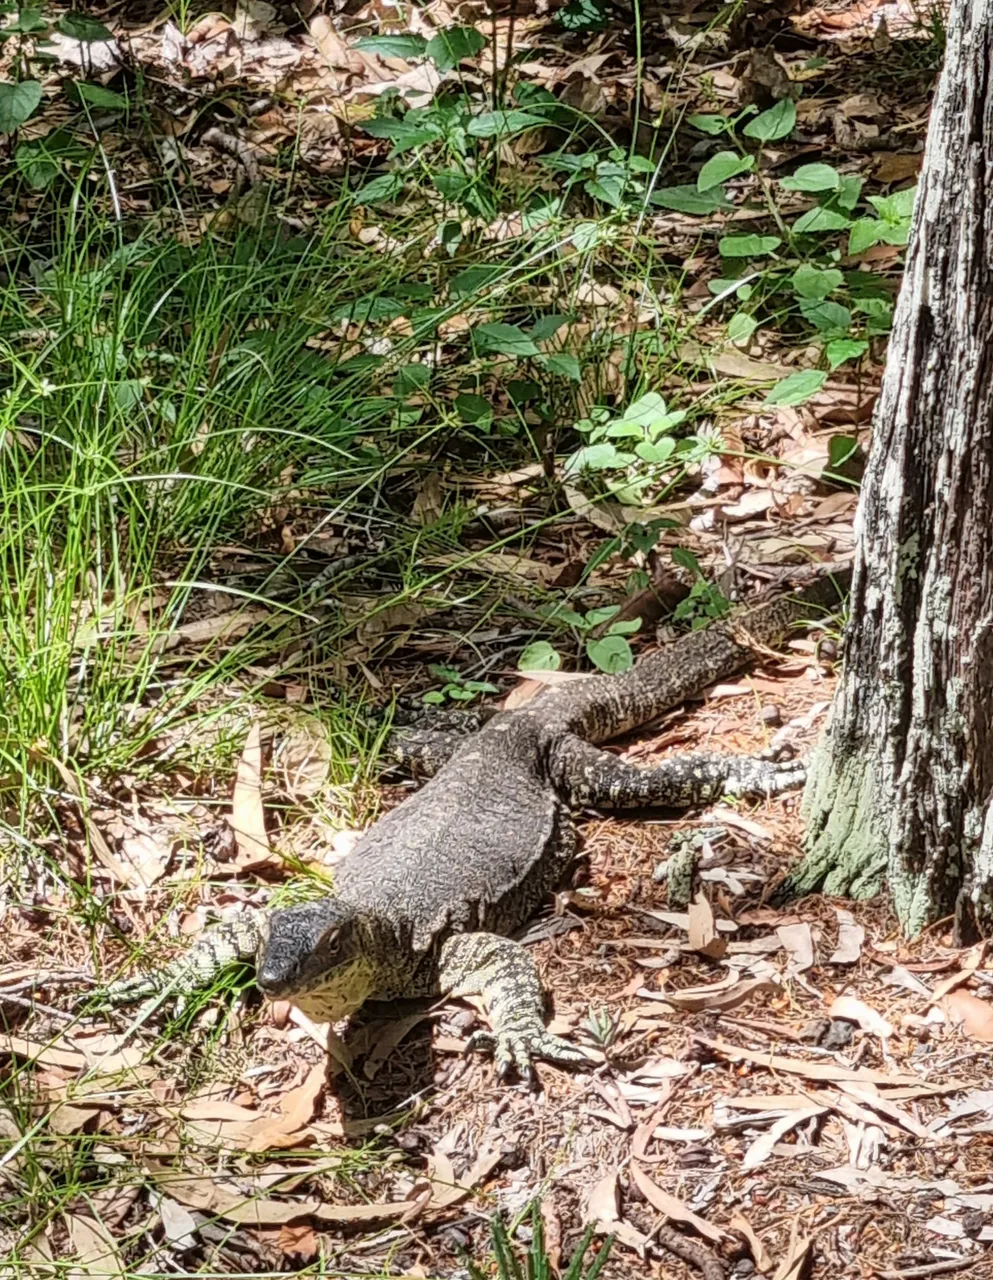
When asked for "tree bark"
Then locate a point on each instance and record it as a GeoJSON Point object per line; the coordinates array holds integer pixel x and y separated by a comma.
{"type": "Point", "coordinates": [901, 787]}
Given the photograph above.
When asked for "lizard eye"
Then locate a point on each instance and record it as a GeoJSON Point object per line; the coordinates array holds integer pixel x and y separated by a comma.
{"type": "Point", "coordinates": [331, 943]}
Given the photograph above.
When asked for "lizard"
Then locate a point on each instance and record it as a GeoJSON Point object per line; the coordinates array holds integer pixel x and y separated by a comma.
{"type": "Point", "coordinates": [425, 902]}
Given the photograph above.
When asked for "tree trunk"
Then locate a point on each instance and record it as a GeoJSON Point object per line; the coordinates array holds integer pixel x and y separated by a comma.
{"type": "Point", "coordinates": [901, 788]}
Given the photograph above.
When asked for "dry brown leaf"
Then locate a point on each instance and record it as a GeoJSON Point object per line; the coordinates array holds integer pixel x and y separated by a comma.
{"type": "Point", "coordinates": [49, 1055]}
{"type": "Point", "coordinates": [299, 1241]}
{"type": "Point", "coordinates": [897, 166]}
{"type": "Point", "coordinates": [429, 503]}
{"type": "Point", "coordinates": [673, 1207]}
{"type": "Point", "coordinates": [717, 996]}
{"type": "Point", "coordinates": [302, 754]}
{"type": "Point", "coordinates": [297, 1106]}
{"type": "Point", "coordinates": [67, 1117]}
{"type": "Point", "coordinates": [95, 1249]}
{"type": "Point", "coordinates": [797, 940]}
{"type": "Point", "coordinates": [229, 625]}
{"type": "Point", "coordinates": [457, 1190]}
{"type": "Point", "coordinates": [247, 811]}
{"type": "Point", "coordinates": [603, 1203]}
{"type": "Point", "coordinates": [250, 1209]}
{"type": "Point", "coordinates": [794, 1264]}
{"type": "Point", "coordinates": [94, 836]}
{"type": "Point", "coordinates": [760, 1255]}
{"type": "Point", "coordinates": [818, 1070]}
{"type": "Point", "coordinates": [973, 1015]}
{"type": "Point", "coordinates": [885, 1107]}
{"type": "Point", "coordinates": [850, 939]}
{"type": "Point", "coordinates": [763, 1146]}
{"type": "Point", "coordinates": [853, 1010]}
{"type": "Point", "coordinates": [970, 963]}
{"type": "Point", "coordinates": [702, 929]}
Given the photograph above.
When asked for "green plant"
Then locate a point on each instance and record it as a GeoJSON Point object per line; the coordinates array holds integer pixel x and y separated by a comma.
{"type": "Point", "coordinates": [705, 601]}
{"type": "Point", "coordinates": [26, 43]}
{"type": "Point", "coordinates": [537, 1265]}
{"type": "Point", "coordinates": [456, 687]}
{"type": "Point", "coordinates": [609, 650]}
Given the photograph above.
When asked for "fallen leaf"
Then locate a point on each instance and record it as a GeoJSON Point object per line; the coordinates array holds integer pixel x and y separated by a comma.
{"type": "Point", "coordinates": [94, 1247]}
{"type": "Point", "coordinates": [794, 1264]}
{"type": "Point", "coordinates": [760, 1255]}
{"type": "Point", "coordinates": [853, 1010]}
{"type": "Point", "coordinates": [798, 941]}
{"type": "Point", "coordinates": [247, 812]}
{"type": "Point", "coordinates": [603, 1203]}
{"type": "Point", "coordinates": [299, 1241]}
{"type": "Point", "coordinates": [717, 996]}
{"type": "Point", "coordinates": [297, 1106]}
{"type": "Point", "coordinates": [702, 929]}
{"type": "Point", "coordinates": [672, 1207]}
{"type": "Point", "coordinates": [763, 1146]}
{"type": "Point", "coordinates": [179, 1224]}
{"type": "Point", "coordinates": [850, 939]}
{"type": "Point", "coordinates": [973, 1015]}
{"type": "Point", "coordinates": [818, 1070]}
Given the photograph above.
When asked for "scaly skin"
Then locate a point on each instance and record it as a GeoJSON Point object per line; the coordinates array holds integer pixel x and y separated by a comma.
{"type": "Point", "coordinates": [426, 899]}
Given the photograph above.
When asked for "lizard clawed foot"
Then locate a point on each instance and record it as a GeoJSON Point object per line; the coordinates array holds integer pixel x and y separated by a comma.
{"type": "Point", "coordinates": [749, 776]}
{"type": "Point", "coordinates": [514, 1050]}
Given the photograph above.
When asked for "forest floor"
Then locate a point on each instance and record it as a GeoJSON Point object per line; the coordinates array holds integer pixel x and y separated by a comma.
{"type": "Point", "coordinates": [353, 366]}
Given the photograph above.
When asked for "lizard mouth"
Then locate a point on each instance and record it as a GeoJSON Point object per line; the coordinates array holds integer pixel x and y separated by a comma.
{"type": "Point", "coordinates": [331, 996]}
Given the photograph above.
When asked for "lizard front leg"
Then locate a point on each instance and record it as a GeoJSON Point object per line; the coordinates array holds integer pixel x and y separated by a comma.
{"type": "Point", "coordinates": [504, 974]}
{"type": "Point", "coordinates": [588, 775]}
{"type": "Point", "coordinates": [220, 946]}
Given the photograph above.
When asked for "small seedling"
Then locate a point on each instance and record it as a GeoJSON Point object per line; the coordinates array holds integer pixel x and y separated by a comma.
{"type": "Point", "coordinates": [456, 687]}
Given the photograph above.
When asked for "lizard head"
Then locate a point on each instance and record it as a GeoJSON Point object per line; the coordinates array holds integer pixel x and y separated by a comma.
{"type": "Point", "coordinates": [317, 956]}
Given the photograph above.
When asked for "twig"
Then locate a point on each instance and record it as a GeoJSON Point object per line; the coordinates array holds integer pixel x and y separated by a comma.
{"type": "Point", "coordinates": [929, 1269]}
{"type": "Point", "coordinates": [237, 147]}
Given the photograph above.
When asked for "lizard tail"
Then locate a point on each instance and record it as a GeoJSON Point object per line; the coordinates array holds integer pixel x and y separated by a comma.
{"type": "Point", "coordinates": [606, 706]}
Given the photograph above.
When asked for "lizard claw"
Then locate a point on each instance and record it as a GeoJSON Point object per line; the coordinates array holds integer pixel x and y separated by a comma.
{"type": "Point", "coordinates": [514, 1050]}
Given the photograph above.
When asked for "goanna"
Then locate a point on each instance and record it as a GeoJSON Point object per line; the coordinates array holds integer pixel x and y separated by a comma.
{"type": "Point", "coordinates": [427, 899]}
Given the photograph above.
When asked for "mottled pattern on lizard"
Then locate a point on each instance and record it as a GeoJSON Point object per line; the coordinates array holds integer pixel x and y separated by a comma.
{"type": "Point", "coordinates": [425, 902]}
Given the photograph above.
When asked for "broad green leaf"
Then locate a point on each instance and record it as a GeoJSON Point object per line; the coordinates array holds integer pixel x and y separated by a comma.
{"type": "Point", "coordinates": [842, 349]}
{"type": "Point", "coordinates": [564, 365]}
{"type": "Point", "coordinates": [797, 388]}
{"type": "Point", "coordinates": [828, 317]}
{"type": "Point", "coordinates": [864, 234]}
{"type": "Point", "coordinates": [645, 409]}
{"type": "Point", "coordinates": [38, 167]}
{"type": "Point", "coordinates": [384, 187]}
{"type": "Point", "coordinates": [813, 177]}
{"type": "Point", "coordinates": [611, 654]}
{"type": "Point", "coordinates": [840, 449]}
{"type": "Point", "coordinates": [128, 393]}
{"type": "Point", "coordinates": [820, 219]}
{"type": "Point", "coordinates": [686, 560]}
{"type": "Point", "coordinates": [848, 192]}
{"type": "Point", "coordinates": [369, 310]}
{"type": "Point", "coordinates": [473, 279]}
{"type": "Point", "coordinates": [597, 457]}
{"type": "Point", "coordinates": [448, 48]}
{"type": "Point", "coordinates": [896, 207]}
{"type": "Point", "coordinates": [608, 190]}
{"type": "Point", "coordinates": [79, 26]}
{"type": "Point", "coordinates": [474, 410]}
{"type": "Point", "coordinates": [97, 96]}
{"type": "Point", "coordinates": [28, 22]}
{"type": "Point", "coordinates": [410, 379]}
{"type": "Point", "coordinates": [17, 103]}
{"type": "Point", "coordinates": [493, 124]}
{"type": "Point", "coordinates": [723, 285]}
{"type": "Point", "coordinates": [747, 246]}
{"type": "Point", "coordinates": [398, 46]}
{"type": "Point", "coordinates": [539, 656]}
{"type": "Point", "coordinates": [777, 122]}
{"type": "Point", "coordinates": [546, 327]}
{"type": "Point", "coordinates": [719, 168]}
{"type": "Point", "coordinates": [815, 282]}
{"type": "Point", "coordinates": [505, 339]}
{"type": "Point", "coordinates": [627, 627]}
{"type": "Point", "coordinates": [741, 326]}
{"type": "Point", "coordinates": [712, 124]}
{"type": "Point", "coordinates": [603, 614]}
{"type": "Point", "coordinates": [658, 452]}
{"type": "Point", "coordinates": [582, 15]}
{"type": "Point", "coordinates": [689, 199]}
